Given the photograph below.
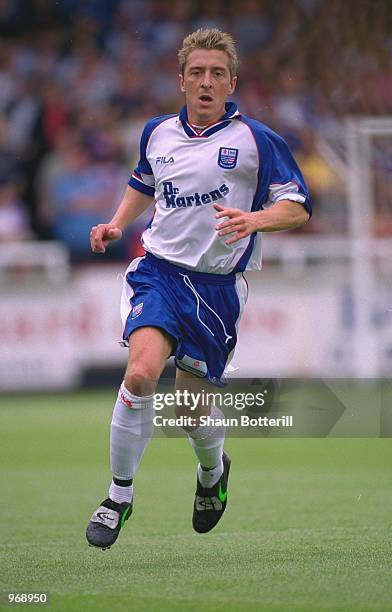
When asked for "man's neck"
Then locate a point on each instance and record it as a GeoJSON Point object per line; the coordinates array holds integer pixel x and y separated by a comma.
{"type": "Point", "coordinates": [199, 122]}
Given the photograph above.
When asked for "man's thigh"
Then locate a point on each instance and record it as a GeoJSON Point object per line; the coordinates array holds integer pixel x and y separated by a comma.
{"type": "Point", "coordinates": [149, 349]}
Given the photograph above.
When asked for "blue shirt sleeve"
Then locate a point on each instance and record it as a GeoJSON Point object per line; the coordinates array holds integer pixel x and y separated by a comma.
{"type": "Point", "coordinates": [142, 178]}
{"type": "Point", "coordinates": [285, 178]}
{"type": "Point", "coordinates": [279, 176]}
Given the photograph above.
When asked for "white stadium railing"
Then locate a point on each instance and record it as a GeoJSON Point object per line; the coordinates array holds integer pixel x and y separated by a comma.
{"type": "Point", "coordinates": [48, 259]}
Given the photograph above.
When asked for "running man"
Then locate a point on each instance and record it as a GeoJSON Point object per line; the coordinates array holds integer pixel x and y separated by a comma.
{"type": "Point", "coordinates": [218, 180]}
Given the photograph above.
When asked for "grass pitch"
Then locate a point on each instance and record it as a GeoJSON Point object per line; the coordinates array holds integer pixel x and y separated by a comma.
{"type": "Point", "coordinates": [307, 525]}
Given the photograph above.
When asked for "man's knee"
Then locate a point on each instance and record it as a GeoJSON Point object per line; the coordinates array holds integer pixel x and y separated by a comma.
{"type": "Point", "coordinates": [141, 379]}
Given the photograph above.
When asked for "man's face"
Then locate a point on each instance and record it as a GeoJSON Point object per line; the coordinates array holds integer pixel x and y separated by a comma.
{"type": "Point", "coordinates": [206, 83]}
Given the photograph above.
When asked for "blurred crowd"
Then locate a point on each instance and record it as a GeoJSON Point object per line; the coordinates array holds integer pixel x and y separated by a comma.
{"type": "Point", "coordinates": [78, 80]}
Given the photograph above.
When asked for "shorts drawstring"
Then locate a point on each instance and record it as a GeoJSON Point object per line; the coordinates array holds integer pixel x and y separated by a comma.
{"type": "Point", "coordinates": [199, 299]}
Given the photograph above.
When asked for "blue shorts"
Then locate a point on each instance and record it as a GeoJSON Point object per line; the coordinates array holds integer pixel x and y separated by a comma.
{"type": "Point", "coordinates": [200, 311]}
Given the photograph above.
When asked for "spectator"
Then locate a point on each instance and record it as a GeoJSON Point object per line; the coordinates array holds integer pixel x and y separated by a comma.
{"type": "Point", "coordinates": [81, 194]}
{"type": "Point", "coordinates": [14, 221]}
{"type": "Point", "coordinates": [251, 27]}
{"type": "Point", "coordinates": [325, 184]}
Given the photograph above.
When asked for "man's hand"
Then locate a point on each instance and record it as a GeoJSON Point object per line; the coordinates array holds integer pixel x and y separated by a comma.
{"type": "Point", "coordinates": [284, 215]}
{"type": "Point", "coordinates": [101, 235]}
{"type": "Point", "coordinates": [239, 223]}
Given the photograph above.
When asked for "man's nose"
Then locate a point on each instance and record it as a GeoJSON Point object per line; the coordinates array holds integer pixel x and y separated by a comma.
{"type": "Point", "coordinates": [206, 80]}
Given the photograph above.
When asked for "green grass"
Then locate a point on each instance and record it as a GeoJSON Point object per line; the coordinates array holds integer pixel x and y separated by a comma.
{"type": "Point", "coordinates": [307, 527]}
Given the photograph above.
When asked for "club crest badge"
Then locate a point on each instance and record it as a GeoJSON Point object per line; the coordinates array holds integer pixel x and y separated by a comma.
{"type": "Point", "coordinates": [137, 310]}
{"type": "Point", "coordinates": [227, 158]}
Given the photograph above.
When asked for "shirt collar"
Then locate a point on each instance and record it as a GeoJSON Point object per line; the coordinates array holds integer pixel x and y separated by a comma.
{"type": "Point", "coordinates": [231, 113]}
{"type": "Point", "coordinates": [230, 108]}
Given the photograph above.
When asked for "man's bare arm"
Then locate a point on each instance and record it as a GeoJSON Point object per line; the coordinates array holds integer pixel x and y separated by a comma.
{"type": "Point", "coordinates": [133, 204]}
{"type": "Point", "coordinates": [283, 215]}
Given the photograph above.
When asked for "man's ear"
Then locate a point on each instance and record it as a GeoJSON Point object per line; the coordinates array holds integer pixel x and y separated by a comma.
{"type": "Point", "coordinates": [233, 84]}
{"type": "Point", "coordinates": [182, 86]}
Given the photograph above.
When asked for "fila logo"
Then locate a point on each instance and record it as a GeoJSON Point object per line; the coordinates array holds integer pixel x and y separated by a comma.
{"type": "Point", "coordinates": [164, 160]}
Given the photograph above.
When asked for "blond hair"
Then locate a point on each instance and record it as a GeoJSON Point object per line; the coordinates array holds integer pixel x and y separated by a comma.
{"type": "Point", "coordinates": [209, 39]}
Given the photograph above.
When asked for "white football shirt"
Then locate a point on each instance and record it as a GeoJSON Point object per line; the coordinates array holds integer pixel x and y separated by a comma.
{"type": "Point", "coordinates": [237, 162]}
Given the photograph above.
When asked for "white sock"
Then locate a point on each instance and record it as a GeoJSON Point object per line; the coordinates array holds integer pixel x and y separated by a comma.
{"type": "Point", "coordinates": [209, 477]}
{"type": "Point", "coordinates": [130, 431]}
{"type": "Point", "coordinates": [207, 441]}
{"type": "Point", "coordinates": [121, 494]}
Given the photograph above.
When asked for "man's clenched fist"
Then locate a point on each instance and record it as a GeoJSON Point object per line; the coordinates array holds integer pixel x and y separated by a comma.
{"type": "Point", "coordinates": [101, 235]}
